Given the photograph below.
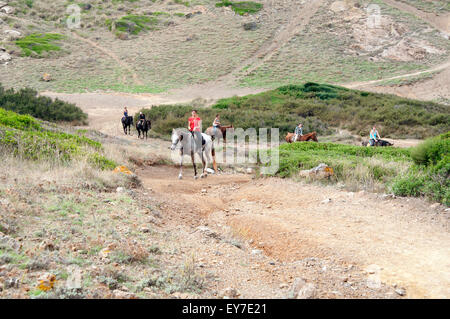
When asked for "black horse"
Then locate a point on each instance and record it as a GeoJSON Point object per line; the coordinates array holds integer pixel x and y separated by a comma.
{"type": "Point", "coordinates": [144, 126]}
{"type": "Point", "coordinates": [378, 143]}
{"type": "Point", "coordinates": [127, 122]}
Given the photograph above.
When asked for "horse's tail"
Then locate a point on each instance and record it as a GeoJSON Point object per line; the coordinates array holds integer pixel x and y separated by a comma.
{"type": "Point", "coordinates": [213, 153]}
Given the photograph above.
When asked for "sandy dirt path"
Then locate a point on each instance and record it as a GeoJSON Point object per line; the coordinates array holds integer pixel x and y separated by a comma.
{"type": "Point", "coordinates": [405, 241]}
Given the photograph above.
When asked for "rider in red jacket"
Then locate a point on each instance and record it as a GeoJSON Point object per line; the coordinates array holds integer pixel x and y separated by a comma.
{"type": "Point", "coordinates": [195, 127]}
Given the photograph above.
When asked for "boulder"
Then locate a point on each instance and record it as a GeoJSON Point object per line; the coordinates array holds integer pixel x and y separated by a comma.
{"type": "Point", "coordinates": [320, 171]}
{"type": "Point", "coordinates": [12, 35]}
{"type": "Point", "coordinates": [7, 9]}
{"type": "Point", "coordinates": [4, 57]}
{"type": "Point", "coordinates": [250, 26]}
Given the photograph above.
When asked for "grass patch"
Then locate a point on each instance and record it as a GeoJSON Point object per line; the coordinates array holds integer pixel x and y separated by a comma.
{"type": "Point", "coordinates": [423, 171]}
{"type": "Point", "coordinates": [362, 166]}
{"type": "Point", "coordinates": [37, 43]}
{"type": "Point", "coordinates": [241, 7]}
{"type": "Point", "coordinates": [133, 24]}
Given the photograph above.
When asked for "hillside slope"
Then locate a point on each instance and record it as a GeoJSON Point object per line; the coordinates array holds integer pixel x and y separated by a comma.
{"type": "Point", "coordinates": [199, 43]}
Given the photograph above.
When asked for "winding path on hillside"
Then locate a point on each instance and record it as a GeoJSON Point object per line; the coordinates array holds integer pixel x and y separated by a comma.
{"type": "Point", "coordinates": [441, 23]}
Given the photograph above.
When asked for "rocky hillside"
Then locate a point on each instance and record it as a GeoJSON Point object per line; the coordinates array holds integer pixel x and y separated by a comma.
{"type": "Point", "coordinates": [142, 46]}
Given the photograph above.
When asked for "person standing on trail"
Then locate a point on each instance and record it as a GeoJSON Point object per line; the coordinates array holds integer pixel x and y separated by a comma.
{"type": "Point", "coordinates": [298, 132]}
{"type": "Point", "coordinates": [195, 127]}
{"type": "Point", "coordinates": [374, 136]}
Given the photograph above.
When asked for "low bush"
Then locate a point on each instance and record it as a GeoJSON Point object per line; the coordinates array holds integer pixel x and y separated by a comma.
{"type": "Point", "coordinates": [133, 24]}
{"type": "Point", "coordinates": [27, 101]}
{"type": "Point", "coordinates": [241, 7]}
{"type": "Point", "coordinates": [431, 175]}
{"type": "Point", "coordinates": [24, 137]}
{"type": "Point", "coordinates": [353, 110]}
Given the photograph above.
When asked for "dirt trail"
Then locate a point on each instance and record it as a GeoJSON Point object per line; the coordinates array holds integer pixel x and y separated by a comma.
{"type": "Point", "coordinates": [406, 240]}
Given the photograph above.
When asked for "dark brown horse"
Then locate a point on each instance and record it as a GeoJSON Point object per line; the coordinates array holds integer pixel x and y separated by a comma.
{"type": "Point", "coordinates": [221, 132]}
{"type": "Point", "coordinates": [303, 138]}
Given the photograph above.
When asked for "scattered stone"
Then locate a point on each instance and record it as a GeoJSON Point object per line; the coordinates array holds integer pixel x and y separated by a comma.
{"type": "Point", "coordinates": [119, 294]}
{"type": "Point", "coordinates": [400, 291]}
{"type": "Point", "coordinates": [230, 293]}
{"type": "Point", "coordinates": [8, 10]}
{"type": "Point", "coordinates": [326, 201]}
{"type": "Point", "coordinates": [47, 245]}
{"type": "Point", "coordinates": [204, 191]}
{"type": "Point", "coordinates": [256, 252]}
{"type": "Point", "coordinates": [145, 229]}
{"type": "Point", "coordinates": [284, 286]}
{"type": "Point", "coordinates": [11, 283]}
{"type": "Point", "coordinates": [120, 190]}
{"type": "Point", "coordinates": [12, 35]}
{"type": "Point", "coordinates": [307, 292]}
{"type": "Point", "coordinates": [46, 77]}
{"type": "Point", "coordinates": [191, 38]}
{"type": "Point", "coordinates": [249, 170]}
{"type": "Point", "coordinates": [74, 279]}
{"type": "Point", "coordinates": [104, 253]}
{"type": "Point", "coordinates": [436, 205]}
{"type": "Point", "coordinates": [87, 7]}
{"type": "Point", "coordinates": [46, 281]}
{"type": "Point", "coordinates": [388, 196]}
{"type": "Point", "coordinates": [295, 288]}
{"type": "Point", "coordinates": [250, 26]}
{"type": "Point", "coordinates": [5, 57]}
{"type": "Point", "coordinates": [208, 232]}
{"type": "Point", "coordinates": [320, 171]}
{"type": "Point", "coordinates": [123, 36]}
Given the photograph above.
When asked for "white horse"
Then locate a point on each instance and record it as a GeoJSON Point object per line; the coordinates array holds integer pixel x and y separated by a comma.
{"type": "Point", "coordinates": [189, 146]}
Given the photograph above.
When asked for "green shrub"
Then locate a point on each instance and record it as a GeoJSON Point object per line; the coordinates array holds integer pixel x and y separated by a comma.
{"type": "Point", "coordinates": [23, 136]}
{"type": "Point", "coordinates": [241, 7]}
{"type": "Point", "coordinates": [432, 150]}
{"type": "Point", "coordinates": [431, 175]}
{"type": "Point", "coordinates": [350, 109]}
{"type": "Point", "coordinates": [133, 24]}
{"type": "Point", "coordinates": [27, 101]}
{"type": "Point", "coordinates": [38, 43]}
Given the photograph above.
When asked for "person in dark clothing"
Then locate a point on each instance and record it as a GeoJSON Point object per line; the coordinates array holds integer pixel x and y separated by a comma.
{"type": "Point", "coordinates": [142, 118]}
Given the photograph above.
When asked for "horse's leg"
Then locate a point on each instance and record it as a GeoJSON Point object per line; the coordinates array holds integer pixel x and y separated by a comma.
{"type": "Point", "coordinates": [193, 163]}
{"type": "Point", "coordinates": [180, 176]}
{"type": "Point", "coordinates": [204, 174]}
